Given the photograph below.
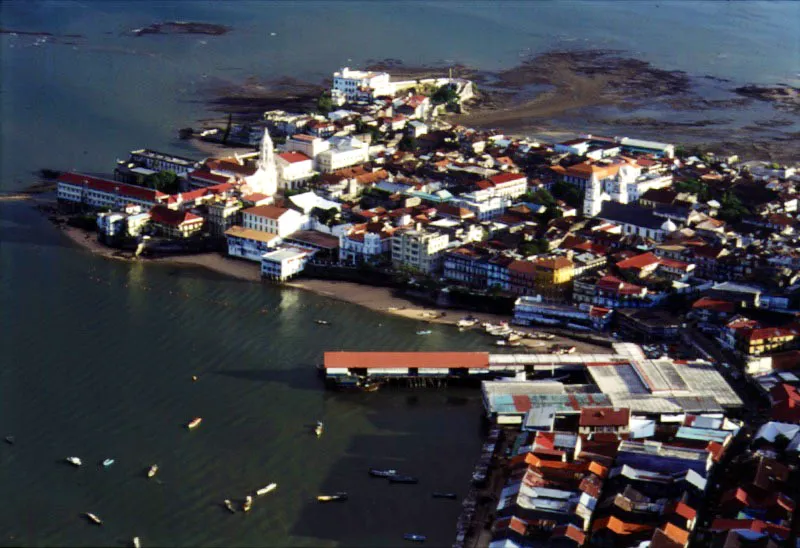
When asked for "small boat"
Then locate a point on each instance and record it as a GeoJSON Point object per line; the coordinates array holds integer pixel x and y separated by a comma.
{"type": "Point", "coordinates": [136, 543]}
{"type": "Point", "coordinates": [440, 495]}
{"type": "Point", "coordinates": [264, 490]}
{"type": "Point", "coordinates": [75, 461]}
{"type": "Point", "coordinates": [9, 440]}
{"type": "Point", "coordinates": [338, 497]}
{"type": "Point", "coordinates": [424, 332]}
{"type": "Point", "coordinates": [466, 322]}
{"type": "Point", "coordinates": [94, 519]}
{"type": "Point", "coordinates": [322, 322]}
{"type": "Point", "coordinates": [378, 473]}
{"type": "Point", "coordinates": [248, 504]}
{"type": "Point", "coordinates": [194, 423]}
{"type": "Point", "coordinates": [414, 538]}
{"type": "Point", "coordinates": [229, 505]}
{"type": "Point", "coordinates": [318, 429]}
{"type": "Point", "coordinates": [108, 462]}
{"type": "Point", "coordinates": [402, 479]}
{"type": "Point", "coordinates": [194, 378]}
{"type": "Point", "coordinates": [152, 471]}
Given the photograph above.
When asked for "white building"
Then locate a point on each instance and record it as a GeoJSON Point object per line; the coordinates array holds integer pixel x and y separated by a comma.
{"type": "Point", "coordinates": [159, 161]}
{"type": "Point", "coordinates": [365, 243]}
{"type": "Point", "coordinates": [284, 263]}
{"type": "Point", "coordinates": [344, 152]}
{"type": "Point", "coordinates": [307, 144]}
{"type": "Point", "coordinates": [307, 201]}
{"type": "Point", "coordinates": [509, 185]}
{"type": "Point", "coordinates": [277, 220]}
{"type": "Point", "coordinates": [355, 84]}
{"type": "Point", "coordinates": [101, 193]}
{"type": "Point", "coordinates": [483, 203]}
{"type": "Point", "coordinates": [250, 244]}
{"type": "Point", "coordinates": [419, 249]}
{"type": "Point", "coordinates": [294, 169]}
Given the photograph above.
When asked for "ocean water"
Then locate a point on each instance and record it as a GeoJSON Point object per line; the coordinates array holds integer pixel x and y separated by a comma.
{"type": "Point", "coordinates": [96, 356]}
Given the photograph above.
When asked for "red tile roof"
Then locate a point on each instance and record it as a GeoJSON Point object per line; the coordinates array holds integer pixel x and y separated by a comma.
{"type": "Point", "coordinates": [206, 175]}
{"type": "Point", "coordinates": [163, 215]}
{"type": "Point", "coordinates": [361, 360]}
{"type": "Point", "coordinates": [268, 211]}
{"type": "Point", "coordinates": [504, 178]}
{"type": "Point", "coordinates": [294, 157]}
{"type": "Point", "coordinates": [113, 187]}
{"type": "Point", "coordinates": [604, 416]}
{"type": "Point", "coordinates": [639, 262]}
{"type": "Point", "coordinates": [717, 305]}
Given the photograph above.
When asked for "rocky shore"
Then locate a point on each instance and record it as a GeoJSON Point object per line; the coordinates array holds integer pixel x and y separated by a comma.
{"type": "Point", "coordinates": [182, 27]}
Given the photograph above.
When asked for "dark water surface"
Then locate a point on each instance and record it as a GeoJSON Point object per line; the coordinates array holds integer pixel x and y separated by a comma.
{"type": "Point", "coordinates": [96, 356]}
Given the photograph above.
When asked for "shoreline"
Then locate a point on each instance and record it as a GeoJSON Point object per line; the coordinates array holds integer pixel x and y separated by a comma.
{"type": "Point", "coordinates": [377, 299]}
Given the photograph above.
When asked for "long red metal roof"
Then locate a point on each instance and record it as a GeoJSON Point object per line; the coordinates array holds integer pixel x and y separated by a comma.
{"type": "Point", "coordinates": [361, 360]}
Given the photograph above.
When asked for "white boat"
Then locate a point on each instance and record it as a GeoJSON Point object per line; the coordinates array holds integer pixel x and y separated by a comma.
{"type": "Point", "coordinates": [194, 423]}
{"type": "Point", "coordinates": [318, 429]}
{"type": "Point", "coordinates": [75, 461]}
{"type": "Point", "coordinates": [466, 322]}
{"type": "Point", "coordinates": [136, 543]}
{"type": "Point", "coordinates": [108, 462]}
{"type": "Point", "coordinates": [264, 490]}
{"type": "Point", "coordinates": [229, 505]}
{"type": "Point", "coordinates": [248, 504]}
{"type": "Point", "coordinates": [152, 471]}
{"type": "Point", "coordinates": [322, 322]}
{"type": "Point", "coordinates": [94, 519]}
{"type": "Point", "coordinates": [338, 497]}
{"type": "Point", "coordinates": [424, 332]}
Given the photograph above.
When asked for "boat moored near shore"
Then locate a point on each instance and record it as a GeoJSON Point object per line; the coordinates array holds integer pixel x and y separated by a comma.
{"type": "Point", "coordinates": [93, 518]}
{"type": "Point", "coordinates": [74, 461]}
{"type": "Point", "coordinates": [194, 423]}
{"type": "Point", "coordinates": [382, 473]}
{"type": "Point", "coordinates": [268, 489]}
{"type": "Point", "coordinates": [336, 497]}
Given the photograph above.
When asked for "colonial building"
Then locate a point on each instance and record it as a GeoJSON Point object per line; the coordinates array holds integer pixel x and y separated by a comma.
{"type": "Point", "coordinates": [269, 218]}
{"type": "Point", "coordinates": [175, 224]}
{"type": "Point", "coordinates": [284, 263]}
{"type": "Point", "coordinates": [294, 169]}
{"type": "Point", "coordinates": [98, 193]}
{"type": "Point", "coordinates": [250, 244]}
{"type": "Point", "coordinates": [352, 85]}
{"type": "Point", "coordinates": [418, 249]}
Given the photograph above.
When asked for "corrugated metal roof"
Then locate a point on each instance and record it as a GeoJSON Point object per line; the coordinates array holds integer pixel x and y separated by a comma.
{"type": "Point", "coordinates": [362, 360]}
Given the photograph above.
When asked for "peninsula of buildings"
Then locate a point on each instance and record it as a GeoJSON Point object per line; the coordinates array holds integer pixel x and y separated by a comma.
{"type": "Point", "coordinates": [690, 436]}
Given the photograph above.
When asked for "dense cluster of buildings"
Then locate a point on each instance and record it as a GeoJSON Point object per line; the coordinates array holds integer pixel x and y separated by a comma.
{"type": "Point", "coordinates": [598, 233]}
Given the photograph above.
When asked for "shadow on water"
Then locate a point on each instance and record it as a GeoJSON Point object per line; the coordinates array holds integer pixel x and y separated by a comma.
{"type": "Point", "coordinates": [297, 379]}
{"type": "Point", "coordinates": [387, 502]}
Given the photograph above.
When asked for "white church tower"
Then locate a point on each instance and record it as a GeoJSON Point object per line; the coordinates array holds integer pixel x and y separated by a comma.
{"type": "Point", "coordinates": [265, 179]}
{"type": "Point", "coordinates": [593, 196]}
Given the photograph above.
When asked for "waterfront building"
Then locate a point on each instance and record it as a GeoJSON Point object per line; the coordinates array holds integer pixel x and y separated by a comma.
{"type": "Point", "coordinates": [250, 244]}
{"type": "Point", "coordinates": [419, 249]}
{"type": "Point", "coordinates": [647, 324]}
{"type": "Point", "coordinates": [352, 85]}
{"type": "Point", "coordinates": [477, 267]}
{"type": "Point", "coordinates": [531, 310]}
{"type": "Point", "coordinates": [160, 161]}
{"type": "Point", "coordinates": [294, 170]}
{"type": "Point", "coordinates": [223, 214]}
{"type": "Point", "coordinates": [283, 263]}
{"type": "Point", "coordinates": [176, 224]}
{"type": "Point", "coordinates": [366, 242]}
{"type": "Point", "coordinates": [270, 218]}
{"type": "Point", "coordinates": [548, 276]}
{"type": "Point", "coordinates": [79, 189]}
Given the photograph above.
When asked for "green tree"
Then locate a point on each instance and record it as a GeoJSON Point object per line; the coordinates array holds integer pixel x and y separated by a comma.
{"type": "Point", "coordinates": [163, 181]}
{"type": "Point", "coordinates": [325, 103]}
{"type": "Point", "coordinates": [732, 209]}
{"type": "Point", "coordinates": [445, 94]}
{"type": "Point", "coordinates": [536, 247]}
{"type": "Point", "coordinates": [569, 193]}
{"type": "Point", "coordinates": [328, 217]}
